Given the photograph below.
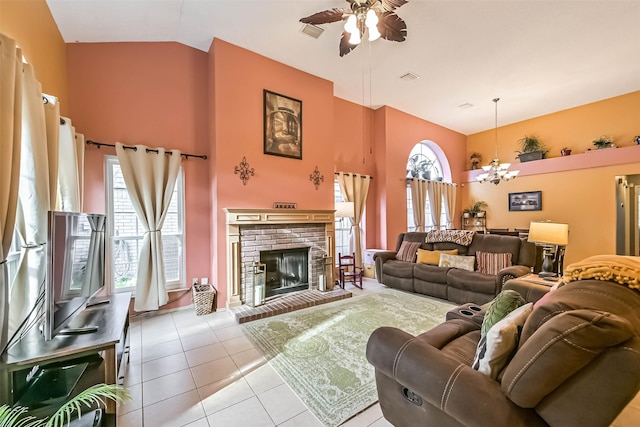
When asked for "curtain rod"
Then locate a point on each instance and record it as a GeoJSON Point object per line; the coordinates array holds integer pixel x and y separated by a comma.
{"type": "Point", "coordinates": [149, 150]}
{"type": "Point", "coordinates": [354, 174]}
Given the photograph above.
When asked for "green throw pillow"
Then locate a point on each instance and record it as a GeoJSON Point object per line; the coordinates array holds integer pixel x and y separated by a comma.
{"type": "Point", "coordinates": [504, 303]}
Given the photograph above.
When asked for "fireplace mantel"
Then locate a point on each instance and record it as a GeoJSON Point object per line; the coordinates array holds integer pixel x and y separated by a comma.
{"type": "Point", "coordinates": [238, 217]}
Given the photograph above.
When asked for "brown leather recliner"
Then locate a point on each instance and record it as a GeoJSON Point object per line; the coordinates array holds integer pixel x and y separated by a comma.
{"type": "Point", "coordinates": [577, 364]}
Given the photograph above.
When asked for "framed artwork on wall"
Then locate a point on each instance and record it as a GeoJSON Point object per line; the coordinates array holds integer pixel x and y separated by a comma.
{"type": "Point", "coordinates": [282, 125]}
{"type": "Point", "coordinates": [525, 201]}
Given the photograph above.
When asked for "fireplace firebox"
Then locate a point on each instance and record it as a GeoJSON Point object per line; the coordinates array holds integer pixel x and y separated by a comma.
{"type": "Point", "coordinates": [287, 270]}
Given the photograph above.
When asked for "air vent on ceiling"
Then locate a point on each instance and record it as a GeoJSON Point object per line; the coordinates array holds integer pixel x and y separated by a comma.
{"type": "Point", "coordinates": [312, 30]}
{"type": "Point", "coordinates": [465, 105]}
{"type": "Point", "coordinates": [409, 76]}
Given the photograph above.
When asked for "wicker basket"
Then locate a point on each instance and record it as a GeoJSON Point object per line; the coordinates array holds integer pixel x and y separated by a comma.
{"type": "Point", "coordinates": [203, 298]}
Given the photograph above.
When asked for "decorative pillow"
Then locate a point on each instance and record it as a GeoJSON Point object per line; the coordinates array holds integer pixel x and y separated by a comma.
{"type": "Point", "coordinates": [492, 263]}
{"type": "Point", "coordinates": [503, 304]}
{"type": "Point", "coordinates": [408, 251]}
{"type": "Point", "coordinates": [461, 237]}
{"type": "Point", "coordinates": [499, 345]}
{"type": "Point", "coordinates": [433, 257]}
{"type": "Point", "coordinates": [457, 261]}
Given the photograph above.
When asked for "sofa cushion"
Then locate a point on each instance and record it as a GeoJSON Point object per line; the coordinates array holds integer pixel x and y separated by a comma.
{"type": "Point", "coordinates": [562, 346]}
{"type": "Point", "coordinates": [432, 257]}
{"type": "Point", "coordinates": [492, 263]}
{"type": "Point", "coordinates": [457, 261]}
{"type": "Point", "coordinates": [472, 281]}
{"type": "Point", "coordinates": [496, 348]}
{"type": "Point", "coordinates": [497, 244]}
{"type": "Point", "coordinates": [401, 269]}
{"type": "Point", "coordinates": [408, 251]}
{"type": "Point", "coordinates": [430, 273]}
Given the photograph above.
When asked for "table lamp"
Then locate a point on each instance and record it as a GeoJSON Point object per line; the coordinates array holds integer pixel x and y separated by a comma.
{"type": "Point", "coordinates": [550, 236]}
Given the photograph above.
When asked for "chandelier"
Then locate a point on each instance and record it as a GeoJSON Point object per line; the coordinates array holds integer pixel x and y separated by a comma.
{"type": "Point", "coordinates": [495, 171]}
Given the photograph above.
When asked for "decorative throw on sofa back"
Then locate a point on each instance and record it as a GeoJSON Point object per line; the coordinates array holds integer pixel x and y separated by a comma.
{"type": "Point", "coordinates": [461, 237]}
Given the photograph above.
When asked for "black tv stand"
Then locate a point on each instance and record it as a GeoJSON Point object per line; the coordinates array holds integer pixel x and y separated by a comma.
{"type": "Point", "coordinates": [98, 334]}
{"type": "Point", "coordinates": [77, 331]}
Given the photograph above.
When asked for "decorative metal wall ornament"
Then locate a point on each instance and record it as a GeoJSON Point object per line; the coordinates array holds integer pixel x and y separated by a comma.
{"type": "Point", "coordinates": [244, 171]}
{"type": "Point", "coordinates": [316, 177]}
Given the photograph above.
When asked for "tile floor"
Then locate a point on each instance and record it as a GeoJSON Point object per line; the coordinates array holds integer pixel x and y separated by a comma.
{"type": "Point", "coordinates": [200, 371]}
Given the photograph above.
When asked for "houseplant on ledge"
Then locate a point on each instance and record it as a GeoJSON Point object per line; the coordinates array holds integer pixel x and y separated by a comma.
{"type": "Point", "coordinates": [475, 209]}
{"type": "Point", "coordinates": [531, 149]}
{"type": "Point", "coordinates": [602, 142]}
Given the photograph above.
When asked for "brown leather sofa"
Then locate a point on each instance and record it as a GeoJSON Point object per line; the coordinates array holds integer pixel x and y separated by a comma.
{"type": "Point", "coordinates": [455, 284]}
{"type": "Point", "coordinates": [577, 364]}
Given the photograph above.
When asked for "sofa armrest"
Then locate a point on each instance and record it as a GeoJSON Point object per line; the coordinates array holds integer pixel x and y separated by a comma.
{"type": "Point", "coordinates": [472, 398]}
{"type": "Point", "coordinates": [531, 292]}
{"type": "Point", "coordinates": [511, 273]}
{"type": "Point", "coordinates": [380, 258]}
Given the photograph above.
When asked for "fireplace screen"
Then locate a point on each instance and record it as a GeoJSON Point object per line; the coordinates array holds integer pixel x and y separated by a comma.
{"type": "Point", "coordinates": [287, 270]}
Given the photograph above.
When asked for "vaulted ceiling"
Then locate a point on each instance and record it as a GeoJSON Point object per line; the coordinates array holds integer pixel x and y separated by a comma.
{"type": "Point", "coordinates": [537, 56]}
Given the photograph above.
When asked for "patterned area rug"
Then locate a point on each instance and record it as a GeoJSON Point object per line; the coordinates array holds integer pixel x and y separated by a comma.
{"type": "Point", "coordinates": [320, 351]}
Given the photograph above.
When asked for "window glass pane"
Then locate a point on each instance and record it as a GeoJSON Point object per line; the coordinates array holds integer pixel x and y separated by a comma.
{"type": "Point", "coordinates": [342, 226]}
{"type": "Point", "coordinates": [423, 163]}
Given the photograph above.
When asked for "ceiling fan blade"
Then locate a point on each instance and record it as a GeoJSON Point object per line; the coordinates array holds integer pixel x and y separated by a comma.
{"type": "Point", "coordinates": [391, 5]}
{"type": "Point", "coordinates": [345, 46]}
{"type": "Point", "coordinates": [324, 17]}
{"type": "Point", "coordinates": [392, 27]}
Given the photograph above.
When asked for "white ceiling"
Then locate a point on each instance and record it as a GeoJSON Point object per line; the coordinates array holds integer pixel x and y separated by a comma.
{"type": "Point", "coordinates": [537, 56]}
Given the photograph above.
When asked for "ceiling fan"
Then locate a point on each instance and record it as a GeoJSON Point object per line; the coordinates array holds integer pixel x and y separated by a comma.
{"type": "Point", "coordinates": [378, 17]}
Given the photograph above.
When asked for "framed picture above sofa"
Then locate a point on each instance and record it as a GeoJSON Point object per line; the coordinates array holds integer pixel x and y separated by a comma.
{"type": "Point", "coordinates": [525, 201]}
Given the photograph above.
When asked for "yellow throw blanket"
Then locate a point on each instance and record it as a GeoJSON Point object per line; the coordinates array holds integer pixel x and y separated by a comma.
{"type": "Point", "coordinates": [617, 268]}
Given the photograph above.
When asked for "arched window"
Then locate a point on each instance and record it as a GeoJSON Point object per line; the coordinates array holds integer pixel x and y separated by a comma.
{"type": "Point", "coordinates": [427, 162]}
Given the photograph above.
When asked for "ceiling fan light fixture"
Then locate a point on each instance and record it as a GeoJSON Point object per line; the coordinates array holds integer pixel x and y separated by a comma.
{"type": "Point", "coordinates": [355, 37]}
{"type": "Point", "coordinates": [351, 25]}
{"type": "Point", "coordinates": [371, 20]}
{"type": "Point", "coordinates": [374, 34]}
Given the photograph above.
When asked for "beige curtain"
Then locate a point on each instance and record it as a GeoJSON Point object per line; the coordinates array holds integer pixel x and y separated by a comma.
{"type": "Point", "coordinates": [71, 175]}
{"type": "Point", "coordinates": [450, 191]}
{"type": "Point", "coordinates": [33, 201]}
{"type": "Point", "coordinates": [10, 137]}
{"type": "Point", "coordinates": [418, 201]}
{"type": "Point", "coordinates": [435, 190]}
{"type": "Point", "coordinates": [52, 123]}
{"type": "Point", "coordinates": [150, 179]}
{"type": "Point", "coordinates": [354, 189]}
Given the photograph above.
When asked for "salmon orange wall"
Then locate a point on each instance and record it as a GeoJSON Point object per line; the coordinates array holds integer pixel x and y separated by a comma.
{"type": "Point", "coordinates": [152, 94]}
{"type": "Point", "coordinates": [583, 198]}
{"type": "Point", "coordinates": [31, 25]}
{"type": "Point", "coordinates": [401, 132]}
{"type": "Point", "coordinates": [353, 145]}
{"type": "Point", "coordinates": [239, 78]}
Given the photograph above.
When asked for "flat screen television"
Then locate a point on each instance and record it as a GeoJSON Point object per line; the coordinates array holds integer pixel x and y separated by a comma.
{"type": "Point", "coordinates": [75, 268]}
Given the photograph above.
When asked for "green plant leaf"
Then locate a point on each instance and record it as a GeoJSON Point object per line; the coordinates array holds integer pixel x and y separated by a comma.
{"type": "Point", "coordinates": [15, 417]}
{"type": "Point", "coordinates": [96, 394]}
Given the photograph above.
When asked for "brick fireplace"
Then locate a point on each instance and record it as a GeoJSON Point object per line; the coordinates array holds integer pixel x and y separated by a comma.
{"type": "Point", "coordinates": [252, 231]}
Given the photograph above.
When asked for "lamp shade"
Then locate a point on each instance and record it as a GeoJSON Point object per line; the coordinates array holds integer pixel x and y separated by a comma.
{"type": "Point", "coordinates": [549, 233]}
{"type": "Point", "coordinates": [344, 210]}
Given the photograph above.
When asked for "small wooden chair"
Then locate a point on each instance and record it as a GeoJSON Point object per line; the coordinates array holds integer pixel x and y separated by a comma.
{"type": "Point", "coordinates": [349, 272]}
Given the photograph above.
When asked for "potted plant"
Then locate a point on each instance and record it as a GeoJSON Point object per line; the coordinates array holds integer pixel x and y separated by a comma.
{"type": "Point", "coordinates": [419, 166]}
{"type": "Point", "coordinates": [475, 158]}
{"type": "Point", "coordinates": [565, 151]}
{"type": "Point", "coordinates": [636, 139]}
{"type": "Point", "coordinates": [602, 142]}
{"type": "Point", "coordinates": [475, 209]}
{"type": "Point", "coordinates": [530, 149]}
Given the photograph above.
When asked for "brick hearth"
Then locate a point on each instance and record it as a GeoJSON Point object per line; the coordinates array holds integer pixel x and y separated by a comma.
{"type": "Point", "coordinates": [287, 303]}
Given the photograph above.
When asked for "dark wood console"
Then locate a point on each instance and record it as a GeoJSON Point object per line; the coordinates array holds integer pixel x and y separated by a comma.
{"type": "Point", "coordinates": [105, 352]}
